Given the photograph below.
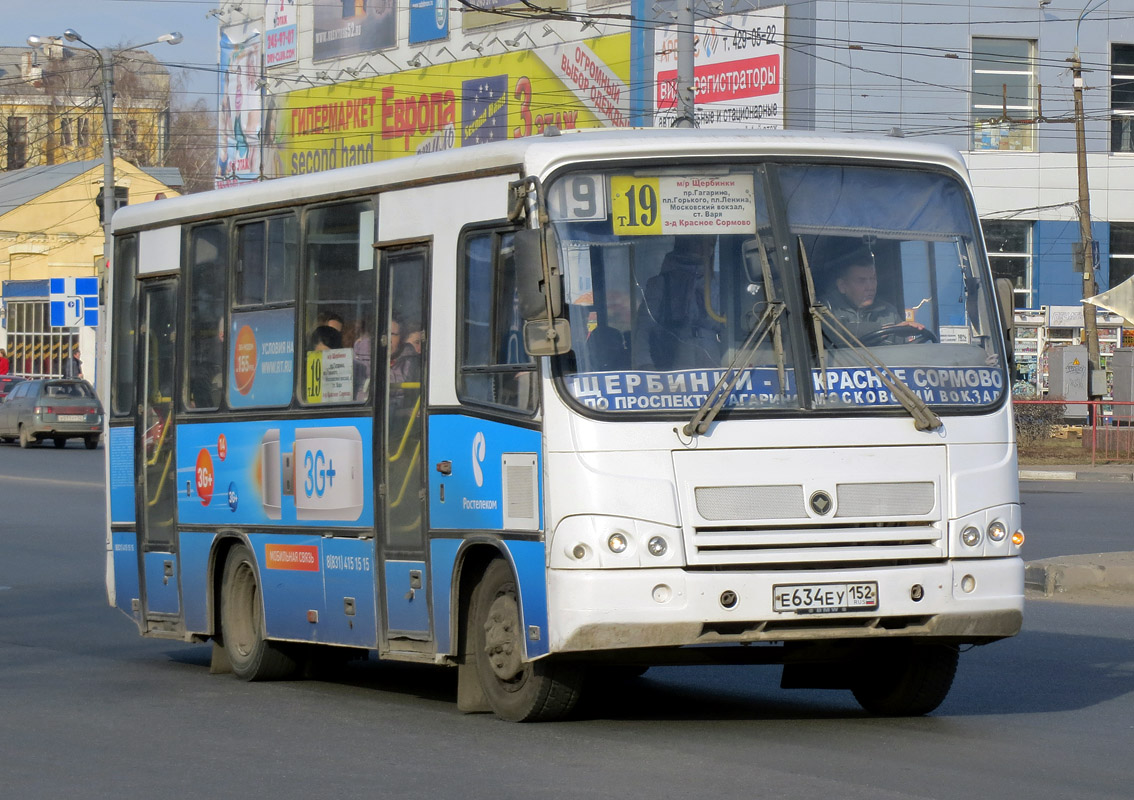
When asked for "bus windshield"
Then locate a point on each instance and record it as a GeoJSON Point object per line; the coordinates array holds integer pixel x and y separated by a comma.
{"type": "Point", "coordinates": [680, 282]}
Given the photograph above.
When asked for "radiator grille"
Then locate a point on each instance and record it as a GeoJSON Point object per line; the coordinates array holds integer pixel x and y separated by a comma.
{"type": "Point", "coordinates": [750, 502]}
{"type": "Point", "coordinates": [884, 499]}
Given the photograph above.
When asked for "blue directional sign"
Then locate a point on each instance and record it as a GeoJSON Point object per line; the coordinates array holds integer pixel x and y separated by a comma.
{"type": "Point", "coordinates": [74, 302]}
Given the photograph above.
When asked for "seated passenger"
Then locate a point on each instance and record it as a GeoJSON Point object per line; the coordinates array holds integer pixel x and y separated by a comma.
{"type": "Point", "coordinates": [673, 328]}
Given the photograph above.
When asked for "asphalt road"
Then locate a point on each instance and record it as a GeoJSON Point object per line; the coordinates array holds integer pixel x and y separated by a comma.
{"type": "Point", "coordinates": [88, 709]}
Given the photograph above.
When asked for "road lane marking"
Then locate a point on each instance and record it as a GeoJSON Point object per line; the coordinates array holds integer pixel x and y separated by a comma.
{"type": "Point", "coordinates": [55, 481]}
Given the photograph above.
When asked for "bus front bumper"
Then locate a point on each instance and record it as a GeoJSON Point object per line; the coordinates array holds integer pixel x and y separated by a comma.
{"type": "Point", "coordinates": [964, 601]}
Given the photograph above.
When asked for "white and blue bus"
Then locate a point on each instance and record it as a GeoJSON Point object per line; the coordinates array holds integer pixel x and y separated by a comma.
{"type": "Point", "coordinates": [575, 403]}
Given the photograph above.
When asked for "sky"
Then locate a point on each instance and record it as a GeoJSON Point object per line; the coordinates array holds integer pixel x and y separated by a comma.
{"type": "Point", "coordinates": [113, 23]}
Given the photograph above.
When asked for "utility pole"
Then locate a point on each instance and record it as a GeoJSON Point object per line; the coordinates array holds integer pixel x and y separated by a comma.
{"type": "Point", "coordinates": [1090, 289]}
{"type": "Point", "coordinates": [686, 107]}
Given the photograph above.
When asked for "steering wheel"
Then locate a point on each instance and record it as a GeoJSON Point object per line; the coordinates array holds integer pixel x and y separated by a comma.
{"type": "Point", "coordinates": [903, 333]}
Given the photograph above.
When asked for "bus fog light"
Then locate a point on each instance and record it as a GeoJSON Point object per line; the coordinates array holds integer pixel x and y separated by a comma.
{"type": "Point", "coordinates": [662, 593]}
{"type": "Point", "coordinates": [1018, 538]}
{"type": "Point", "coordinates": [616, 543]}
{"type": "Point", "coordinates": [997, 531]}
{"type": "Point", "coordinates": [968, 583]}
{"type": "Point", "coordinates": [579, 552]}
{"type": "Point", "coordinates": [970, 536]}
{"type": "Point", "coordinates": [657, 546]}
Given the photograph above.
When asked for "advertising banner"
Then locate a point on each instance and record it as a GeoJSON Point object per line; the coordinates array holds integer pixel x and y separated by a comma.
{"type": "Point", "coordinates": [281, 45]}
{"type": "Point", "coordinates": [428, 20]}
{"type": "Point", "coordinates": [238, 133]}
{"type": "Point", "coordinates": [737, 75]}
{"type": "Point", "coordinates": [502, 11]}
{"type": "Point", "coordinates": [372, 26]}
{"type": "Point", "coordinates": [510, 96]}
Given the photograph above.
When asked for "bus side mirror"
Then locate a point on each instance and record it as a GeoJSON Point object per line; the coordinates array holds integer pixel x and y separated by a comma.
{"type": "Point", "coordinates": [547, 338]}
{"type": "Point", "coordinates": [535, 282]}
{"type": "Point", "coordinates": [1006, 302]}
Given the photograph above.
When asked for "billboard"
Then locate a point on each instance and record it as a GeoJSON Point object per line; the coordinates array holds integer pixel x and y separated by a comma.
{"type": "Point", "coordinates": [352, 27]}
{"type": "Point", "coordinates": [428, 20]}
{"type": "Point", "coordinates": [738, 71]}
{"type": "Point", "coordinates": [281, 45]}
{"type": "Point", "coordinates": [238, 131]}
{"type": "Point", "coordinates": [568, 85]}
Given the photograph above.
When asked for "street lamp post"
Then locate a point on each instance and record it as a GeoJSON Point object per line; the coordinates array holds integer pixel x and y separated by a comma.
{"type": "Point", "coordinates": [106, 67]}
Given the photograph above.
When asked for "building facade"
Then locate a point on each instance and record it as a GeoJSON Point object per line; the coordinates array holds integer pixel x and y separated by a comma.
{"type": "Point", "coordinates": [50, 228]}
{"type": "Point", "coordinates": [51, 107]}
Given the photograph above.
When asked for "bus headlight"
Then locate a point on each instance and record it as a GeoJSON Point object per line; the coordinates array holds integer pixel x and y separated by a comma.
{"type": "Point", "coordinates": [617, 542]}
{"type": "Point", "coordinates": [657, 546]}
{"type": "Point", "coordinates": [997, 531]}
{"type": "Point", "coordinates": [970, 536]}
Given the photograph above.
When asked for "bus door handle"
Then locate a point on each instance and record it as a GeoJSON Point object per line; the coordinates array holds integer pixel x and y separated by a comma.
{"type": "Point", "coordinates": [445, 467]}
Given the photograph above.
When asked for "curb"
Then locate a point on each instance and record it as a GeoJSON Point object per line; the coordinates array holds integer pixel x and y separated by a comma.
{"type": "Point", "coordinates": [1063, 475]}
{"type": "Point", "coordinates": [1114, 571]}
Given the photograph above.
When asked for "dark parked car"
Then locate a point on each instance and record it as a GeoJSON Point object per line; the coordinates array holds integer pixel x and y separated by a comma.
{"type": "Point", "coordinates": [7, 384]}
{"type": "Point", "coordinates": [58, 409]}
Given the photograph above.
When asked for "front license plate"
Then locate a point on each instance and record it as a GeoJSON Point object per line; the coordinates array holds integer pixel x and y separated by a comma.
{"type": "Point", "coordinates": [72, 417]}
{"type": "Point", "coordinates": [825, 598]}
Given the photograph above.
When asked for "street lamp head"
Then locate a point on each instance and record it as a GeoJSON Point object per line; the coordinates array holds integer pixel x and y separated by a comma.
{"type": "Point", "coordinates": [36, 41]}
{"type": "Point", "coordinates": [171, 38]}
{"type": "Point", "coordinates": [72, 35]}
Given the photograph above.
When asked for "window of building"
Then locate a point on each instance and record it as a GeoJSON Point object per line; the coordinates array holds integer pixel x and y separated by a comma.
{"type": "Point", "coordinates": [1004, 94]}
{"type": "Point", "coordinates": [1010, 254]}
{"type": "Point", "coordinates": [494, 369]}
{"type": "Point", "coordinates": [17, 142]}
{"type": "Point", "coordinates": [83, 131]}
{"type": "Point", "coordinates": [1121, 252]}
{"type": "Point", "coordinates": [1122, 98]}
{"type": "Point", "coordinates": [66, 137]}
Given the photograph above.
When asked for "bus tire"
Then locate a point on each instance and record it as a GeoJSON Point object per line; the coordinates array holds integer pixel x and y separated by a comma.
{"type": "Point", "coordinates": [252, 656]}
{"type": "Point", "coordinates": [907, 681]}
{"type": "Point", "coordinates": [534, 691]}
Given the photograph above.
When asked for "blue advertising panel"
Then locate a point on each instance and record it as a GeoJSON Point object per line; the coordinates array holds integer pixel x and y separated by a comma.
{"type": "Point", "coordinates": [428, 21]}
{"type": "Point", "coordinates": [261, 358]}
{"type": "Point", "coordinates": [473, 494]}
{"type": "Point", "coordinates": [121, 474]}
{"type": "Point", "coordinates": [484, 110]}
{"type": "Point", "coordinates": [289, 472]}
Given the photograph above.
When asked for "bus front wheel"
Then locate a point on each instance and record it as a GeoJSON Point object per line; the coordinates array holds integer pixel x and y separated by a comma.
{"type": "Point", "coordinates": [906, 680]}
{"type": "Point", "coordinates": [252, 656]}
{"type": "Point", "coordinates": [516, 690]}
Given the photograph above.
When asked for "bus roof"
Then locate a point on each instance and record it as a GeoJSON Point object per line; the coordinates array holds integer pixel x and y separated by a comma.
{"type": "Point", "coordinates": [533, 155]}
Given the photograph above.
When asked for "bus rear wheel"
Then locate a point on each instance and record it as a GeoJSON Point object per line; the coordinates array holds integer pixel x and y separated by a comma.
{"type": "Point", "coordinates": [906, 680]}
{"type": "Point", "coordinates": [252, 656]}
{"type": "Point", "coordinates": [516, 690]}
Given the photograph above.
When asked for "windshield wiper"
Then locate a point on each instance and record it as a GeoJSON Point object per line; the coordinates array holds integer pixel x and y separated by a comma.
{"type": "Point", "coordinates": [769, 321]}
{"type": "Point", "coordinates": [923, 416]}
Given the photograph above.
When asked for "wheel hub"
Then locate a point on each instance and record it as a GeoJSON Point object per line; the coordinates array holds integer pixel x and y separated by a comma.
{"type": "Point", "coordinates": [500, 641]}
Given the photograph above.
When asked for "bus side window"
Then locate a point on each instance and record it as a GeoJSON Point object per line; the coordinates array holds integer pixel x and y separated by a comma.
{"type": "Point", "coordinates": [204, 357]}
{"type": "Point", "coordinates": [494, 369]}
{"type": "Point", "coordinates": [338, 309]}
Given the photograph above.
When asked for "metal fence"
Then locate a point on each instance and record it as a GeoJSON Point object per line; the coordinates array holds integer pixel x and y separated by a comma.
{"type": "Point", "coordinates": [1108, 433]}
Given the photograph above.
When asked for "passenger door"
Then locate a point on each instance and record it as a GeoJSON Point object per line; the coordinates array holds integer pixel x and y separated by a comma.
{"type": "Point", "coordinates": [155, 449]}
{"type": "Point", "coordinates": [401, 409]}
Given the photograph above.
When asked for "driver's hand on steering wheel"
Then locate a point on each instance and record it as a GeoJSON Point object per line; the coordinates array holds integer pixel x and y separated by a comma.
{"type": "Point", "coordinates": [905, 324]}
